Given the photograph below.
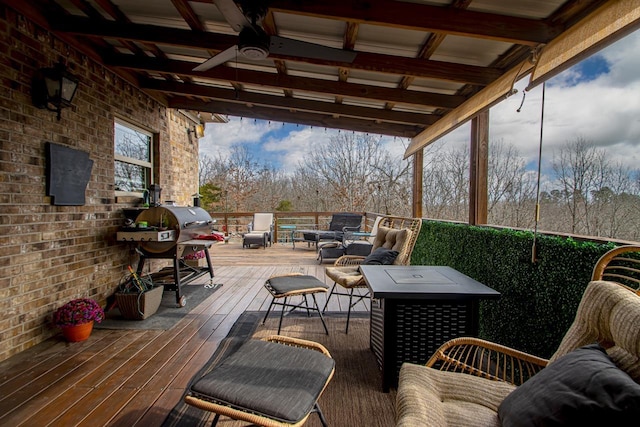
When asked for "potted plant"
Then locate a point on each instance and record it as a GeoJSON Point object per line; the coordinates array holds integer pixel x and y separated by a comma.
{"type": "Point", "coordinates": [137, 297]}
{"type": "Point", "coordinates": [76, 318]}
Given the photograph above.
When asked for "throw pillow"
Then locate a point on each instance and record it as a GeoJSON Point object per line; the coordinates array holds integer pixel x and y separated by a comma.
{"type": "Point", "coordinates": [391, 238]}
{"type": "Point", "coordinates": [381, 256]}
{"type": "Point", "coordinates": [582, 388]}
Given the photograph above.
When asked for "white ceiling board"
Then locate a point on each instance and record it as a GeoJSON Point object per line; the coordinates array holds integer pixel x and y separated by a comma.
{"type": "Point", "coordinates": [407, 108]}
{"type": "Point", "coordinates": [327, 32]}
{"type": "Point", "coordinates": [435, 86]}
{"type": "Point", "coordinates": [359, 102]}
{"type": "Point", "coordinates": [212, 83]}
{"type": "Point", "coordinates": [390, 41]}
{"type": "Point", "coordinates": [536, 9]}
{"type": "Point", "coordinates": [382, 79]}
{"type": "Point", "coordinates": [152, 12]}
{"type": "Point", "coordinates": [470, 51]}
{"type": "Point", "coordinates": [313, 75]}
{"type": "Point", "coordinates": [315, 71]}
{"type": "Point", "coordinates": [312, 96]}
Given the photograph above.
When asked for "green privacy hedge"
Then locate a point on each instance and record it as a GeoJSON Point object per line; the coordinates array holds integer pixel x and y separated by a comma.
{"type": "Point", "coordinates": [538, 300]}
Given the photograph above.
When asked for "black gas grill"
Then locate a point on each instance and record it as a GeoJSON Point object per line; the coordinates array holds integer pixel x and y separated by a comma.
{"type": "Point", "coordinates": [172, 232]}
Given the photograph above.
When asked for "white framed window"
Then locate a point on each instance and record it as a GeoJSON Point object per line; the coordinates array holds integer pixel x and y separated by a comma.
{"type": "Point", "coordinates": [133, 155]}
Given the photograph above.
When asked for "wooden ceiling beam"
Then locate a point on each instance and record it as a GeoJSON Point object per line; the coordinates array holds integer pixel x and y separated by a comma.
{"type": "Point", "coordinates": [280, 102]}
{"type": "Point", "coordinates": [423, 17]}
{"type": "Point", "coordinates": [388, 64]}
{"type": "Point", "coordinates": [189, 16]}
{"type": "Point", "coordinates": [306, 84]}
{"type": "Point", "coordinates": [269, 26]}
{"type": "Point", "coordinates": [302, 118]}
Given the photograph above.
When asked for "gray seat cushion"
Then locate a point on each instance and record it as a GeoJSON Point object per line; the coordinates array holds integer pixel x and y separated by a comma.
{"type": "Point", "coordinates": [271, 379]}
{"type": "Point", "coordinates": [285, 284]}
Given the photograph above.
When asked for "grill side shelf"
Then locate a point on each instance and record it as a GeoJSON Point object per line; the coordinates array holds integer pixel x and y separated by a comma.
{"type": "Point", "coordinates": [146, 236]}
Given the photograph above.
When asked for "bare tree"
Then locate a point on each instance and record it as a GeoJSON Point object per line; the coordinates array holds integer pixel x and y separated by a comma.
{"type": "Point", "coordinates": [511, 188]}
{"type": "Point", "coordinates": [613, 204]}
{"type": "Point", "coordinates": [446, 185]}
{"type": "Point", "coordinates": [242, 173]}
{"type": "Point", "coordinates": [345, 166]}
{"type": "Point", "coordinates": [208, 169]}
{"type": "Point", "coordinates": [579, 169]}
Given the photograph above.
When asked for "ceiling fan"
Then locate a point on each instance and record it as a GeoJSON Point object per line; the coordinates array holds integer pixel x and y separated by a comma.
{"type": "Point", "coordinates": [255, 43]}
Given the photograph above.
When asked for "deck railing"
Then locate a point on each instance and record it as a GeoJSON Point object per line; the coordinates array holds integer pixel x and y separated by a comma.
{"type": "Point", "coordinates": [236, 223]}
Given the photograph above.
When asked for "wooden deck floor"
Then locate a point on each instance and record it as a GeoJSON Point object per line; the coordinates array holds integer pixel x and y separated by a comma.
{"type": "Point", "coordinates": [135, 377]}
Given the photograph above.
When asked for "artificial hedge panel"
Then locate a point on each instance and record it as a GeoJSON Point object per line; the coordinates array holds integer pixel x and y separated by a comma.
{"type": "Point", "coordinates": [538, 299]}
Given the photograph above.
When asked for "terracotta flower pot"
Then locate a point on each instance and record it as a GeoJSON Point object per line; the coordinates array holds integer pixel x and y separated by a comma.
{"type": "Point", "coordinates": [77, 333]}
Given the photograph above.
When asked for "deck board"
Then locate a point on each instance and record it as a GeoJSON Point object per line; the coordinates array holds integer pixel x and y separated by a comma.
{"type": "Point", "coordinates": [135, 377]}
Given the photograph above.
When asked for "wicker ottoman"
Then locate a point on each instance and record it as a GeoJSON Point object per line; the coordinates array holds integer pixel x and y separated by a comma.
{"type": "Point", "coordinates": [295, 284]}
{"type": "Point", "coordinates": [271, 382]}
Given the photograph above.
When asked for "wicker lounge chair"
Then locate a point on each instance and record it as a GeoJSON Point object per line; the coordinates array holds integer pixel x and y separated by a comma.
{"type": "Point", "coordinates": [394, 233]}
{"type": "Point", "coordinates": [471, 382]}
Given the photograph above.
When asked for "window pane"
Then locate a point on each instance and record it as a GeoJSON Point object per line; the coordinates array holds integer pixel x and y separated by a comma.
{"type": "Point", "coordinates": [129, 177]}
{"type": "Point", "coordinates": [132, 143]}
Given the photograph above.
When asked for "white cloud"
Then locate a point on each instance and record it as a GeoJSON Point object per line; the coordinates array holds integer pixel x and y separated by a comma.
{"type": "Point", "coordinates": [219, 138]}
{"type": "Point", "coordinates": [293, 147]}
{"type": "Point", "coordinates": [604, 111]}
{"type": "Point", "coordinates": [625, 61]}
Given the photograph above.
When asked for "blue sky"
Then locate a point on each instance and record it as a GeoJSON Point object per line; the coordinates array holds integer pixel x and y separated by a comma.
{"type": "Point", "coordinates": [597, 99]}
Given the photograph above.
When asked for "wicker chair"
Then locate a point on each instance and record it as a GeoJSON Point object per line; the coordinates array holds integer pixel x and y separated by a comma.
{"type": "Point", "coordinates": [621, 264]}
{"type": "Point", "coordinates": [395, 233]}
{"type": "Point", "coordinates": [472, 376]}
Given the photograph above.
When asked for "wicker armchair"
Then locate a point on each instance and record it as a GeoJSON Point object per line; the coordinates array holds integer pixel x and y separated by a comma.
{"type": "Point", "coordinates": [473, 376]}
{"type": "Point", "coordinates": [621, 264]}
{"type": "Point", "coordinates": [395, 233]}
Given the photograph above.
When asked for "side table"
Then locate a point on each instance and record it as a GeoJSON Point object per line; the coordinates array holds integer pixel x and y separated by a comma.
{"type": "Point", "coordinates": [288, 232]}
{"type": "Point", "coordinates": [415, 309]}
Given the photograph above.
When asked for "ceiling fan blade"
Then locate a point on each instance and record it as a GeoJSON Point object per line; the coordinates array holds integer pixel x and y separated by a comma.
{"type": "Point", "coordinates": [232, 14]}
{"type": "Point", "coordinates": [221, 58]}
{"type": "Point", "coordinates": [291, 47]}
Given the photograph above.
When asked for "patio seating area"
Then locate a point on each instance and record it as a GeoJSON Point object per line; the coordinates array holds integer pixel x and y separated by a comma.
{"type": "Point", "coordinates": [135, 377]}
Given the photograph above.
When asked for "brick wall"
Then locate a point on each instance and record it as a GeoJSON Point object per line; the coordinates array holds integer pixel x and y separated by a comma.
{"type": "Point", "coordinates": [51, 254]}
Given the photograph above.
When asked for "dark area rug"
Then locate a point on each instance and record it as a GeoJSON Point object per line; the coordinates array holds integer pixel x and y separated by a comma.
{"type": "Point", "coordinates": [168, 314]}
{"type": "Point", "coordinates": [354, 396]}
{"type": "Point", "coordinates": [185, 415]}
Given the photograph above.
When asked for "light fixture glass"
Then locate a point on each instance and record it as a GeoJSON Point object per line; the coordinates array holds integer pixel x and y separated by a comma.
{"type": "Point", "coordinates": [53, 88]}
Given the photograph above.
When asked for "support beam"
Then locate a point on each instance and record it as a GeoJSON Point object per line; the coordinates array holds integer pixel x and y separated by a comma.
{"type": "Point", "coordinates": [304, 84]}
{"type": "Point", "coordinates": [418, 168]}
{"type": "Point", "coordinates": [299, 117]}
{"type": "Point", "coordinates": [281, 102]}
{"type": "Point", "coordinates": [479, 169]}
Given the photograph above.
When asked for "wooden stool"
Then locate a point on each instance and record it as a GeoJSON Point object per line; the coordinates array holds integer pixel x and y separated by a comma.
{"type": "Point", "coordinates": [292, 285]}
{"type": "Point", "coordinates": [275, 382]}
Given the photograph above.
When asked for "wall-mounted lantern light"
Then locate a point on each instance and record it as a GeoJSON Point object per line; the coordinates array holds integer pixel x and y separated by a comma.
{"type": "Point", "coordinates": [53, 88]}
{"type": "Point", "coordinates": [154, 194]}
